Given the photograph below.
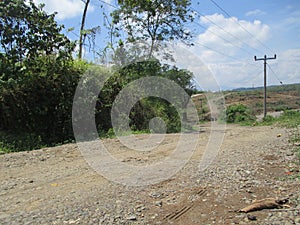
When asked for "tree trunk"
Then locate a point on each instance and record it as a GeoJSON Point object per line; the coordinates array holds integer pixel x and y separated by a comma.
{"type": "Point", "coordinates": [81, 39]}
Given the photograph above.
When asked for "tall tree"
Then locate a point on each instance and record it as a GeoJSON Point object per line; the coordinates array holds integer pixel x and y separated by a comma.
{"type": "Point", "coordinates": [154, 20]}
{"type": "Point", "coordinates": [27, 32]}
{"type": "Point", "coordinates": [38, 76]}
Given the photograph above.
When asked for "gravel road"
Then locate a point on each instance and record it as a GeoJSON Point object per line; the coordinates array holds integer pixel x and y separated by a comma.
{"type": "Point", "coordinates": [57, 186]}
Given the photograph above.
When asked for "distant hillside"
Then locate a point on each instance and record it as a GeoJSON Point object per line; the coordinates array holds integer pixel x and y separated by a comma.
{"type": "Point", "coordinates": [272, 87]}
{"type": "Point", "coordinates": [278, 97]}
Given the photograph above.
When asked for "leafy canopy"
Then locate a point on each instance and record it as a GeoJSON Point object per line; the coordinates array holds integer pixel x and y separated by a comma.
{"type": "Point", "coordinates": [27, 32]}
{"type": "Point", "coordinates": [154, 20]}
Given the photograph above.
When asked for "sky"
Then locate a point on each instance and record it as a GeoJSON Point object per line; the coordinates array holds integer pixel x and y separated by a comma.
{"type": "Point", "coordinates": [227, 36]}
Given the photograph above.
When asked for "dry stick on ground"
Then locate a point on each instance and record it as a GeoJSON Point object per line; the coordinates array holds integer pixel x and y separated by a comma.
{"type": "Point", "coordinates": [267, 203]}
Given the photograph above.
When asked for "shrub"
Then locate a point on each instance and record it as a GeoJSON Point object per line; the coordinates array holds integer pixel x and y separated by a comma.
{"type": "Point", "coordinates": [238, 113]}
{"type": "Point", "coordinates": [290, 119]}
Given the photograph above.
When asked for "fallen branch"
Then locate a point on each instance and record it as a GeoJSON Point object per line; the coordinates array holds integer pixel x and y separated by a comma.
{"type": "Point", "coordinates": [267, 203]}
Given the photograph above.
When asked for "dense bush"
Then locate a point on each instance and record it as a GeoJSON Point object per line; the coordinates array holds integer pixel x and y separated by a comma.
{"type": "Point", "coordinates": [147, 108]}
{"type": "Point", "coordinates": [41, 105]}
{"type": "Point", "coordinates": [38, 80]}
{"type": "Point", "coordinates": [38, 77]}
{"type": "Point", "coordinates": [238, 113]}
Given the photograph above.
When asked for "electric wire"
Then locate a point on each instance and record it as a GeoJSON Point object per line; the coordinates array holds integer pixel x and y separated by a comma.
{"type": "Point", "coordinates": [224, 39]}
{"type": "Point", "coordinates": [212, 49]}
{"type": "Point", "coordinates": [234, 36]}
{"type": "Point", "coordinates": [226, 13]}
{"type": "Point", "coordinates": [108, 4]}
{"type": "Point", "coordinates": [273, 72]}
{"type": "Point", "coordinates": [217, 51]}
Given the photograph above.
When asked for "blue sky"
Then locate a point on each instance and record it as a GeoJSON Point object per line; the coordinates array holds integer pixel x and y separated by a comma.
{"type": "Point", "coordinates": [273, 27]}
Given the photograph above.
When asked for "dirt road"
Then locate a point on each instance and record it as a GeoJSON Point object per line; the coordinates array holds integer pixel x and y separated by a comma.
{"type": "Point", "coordinates": [57, 186]}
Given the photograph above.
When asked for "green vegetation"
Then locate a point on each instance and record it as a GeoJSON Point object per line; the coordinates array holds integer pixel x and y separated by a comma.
{"type": "Point", "coordinates": [289, 119]}
{"type": "Point", "coordinates": [239, 113]}
{"type": "Point", "coordinates": [153, 21]}
{"type": "Point", "coordinates": [279, 98]}
{"type": "Point", "coordinates": [147, 108]}
{"type": "Point", "coordinates": [39, 76]}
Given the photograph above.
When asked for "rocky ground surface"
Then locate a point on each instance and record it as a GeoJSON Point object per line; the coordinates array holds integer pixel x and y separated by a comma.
{"type": "Point", "coordinates": [57, 186]}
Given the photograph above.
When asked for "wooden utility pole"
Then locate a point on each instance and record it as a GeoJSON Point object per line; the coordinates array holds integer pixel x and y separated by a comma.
{"type": "Point", "coordinates": [265, 80]}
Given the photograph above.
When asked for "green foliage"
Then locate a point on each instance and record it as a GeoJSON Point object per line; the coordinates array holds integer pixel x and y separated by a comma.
{"type": "Point", "coordinates": [41, 105]}
{"type": "Point", "coordinates": [11, 142]}
{"type": "Point", "coordinates": [148, 108]}
{"type": "Point", "coordinates": [38, 78]}
{"type": "Point", "coordinates": [268, 120]}
{"type": "Point", "coordinates": [238, 113]}
{"type": "Point", "coordinates": [157, 20]}
{"type": "Point", "coordinates": [26, 34]}
{"type": "Point", "coordinates": [289, 119]}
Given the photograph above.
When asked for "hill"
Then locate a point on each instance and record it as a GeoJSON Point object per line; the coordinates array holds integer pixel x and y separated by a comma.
{"type": "Point", "coordinates": [278, 98]}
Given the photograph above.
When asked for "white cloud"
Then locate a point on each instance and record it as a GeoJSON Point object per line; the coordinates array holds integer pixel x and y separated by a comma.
{"type": "Point", "coordinates": [248, 73]}
{"type": "Point", "coordinates": [286, 67]}
{"type": "Point", "coordinates": [292, 19]}
{"type": "Point", "coordinates": [256, 12]}
{"type": "Point", "coordinates": [235, 68]}
{"type": "Point", "coordinates": [229, 51]}
{"type": "Point", "coordinates": [65, 8]}
{"type": "Point", "coordinates": [233, 37]}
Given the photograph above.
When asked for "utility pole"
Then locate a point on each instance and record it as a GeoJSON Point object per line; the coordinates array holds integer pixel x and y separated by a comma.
{"type": "Point", "coordinates": [265, 80]}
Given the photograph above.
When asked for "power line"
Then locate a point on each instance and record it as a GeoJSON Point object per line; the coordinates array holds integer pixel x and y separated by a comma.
{"type": "Point", "coordinates": [235, 45]}
{"type": "Point", "coordinates": [108, 4]}
{"type": "Point", "coordinates": [275, 74]}
{"type": "Point", "coordinates": [254, 79]}
{"type": "Point", "coordinates": [234, 36]}
{"type": "Point", "coordinates": [217, 51]}
{"type": "Point", "coordinates": [226, 13]}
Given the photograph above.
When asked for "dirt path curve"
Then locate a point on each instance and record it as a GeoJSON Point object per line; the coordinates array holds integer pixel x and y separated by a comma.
{"type": "Point", "coordinates": [56, 185]}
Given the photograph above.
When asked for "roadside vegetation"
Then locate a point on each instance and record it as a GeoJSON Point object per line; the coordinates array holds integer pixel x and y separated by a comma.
{"type": "Point", "coordinates": [279, 98]}
{"type": "Point", "coordinates": [39, 71]}
{"type": "Point", "coordinates": [289, 119]}
{"type": "Point", "coordinates": [38, 77]}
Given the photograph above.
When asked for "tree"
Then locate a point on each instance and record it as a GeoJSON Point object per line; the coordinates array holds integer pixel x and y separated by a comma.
{"type": "Point", "coordinates": [38, 76]}
{"type": "Point", "coordinates": [82, 35]}
{"type": "Point", "coordinates": [26, 33]}
{"type": "Point", "coordinates": [148, 108]}
{"type": "Point", "coordinates": [154, 20]}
